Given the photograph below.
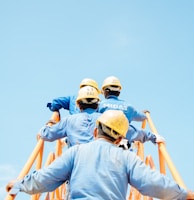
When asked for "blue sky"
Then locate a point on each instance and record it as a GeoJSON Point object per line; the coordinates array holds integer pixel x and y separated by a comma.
{"type": "Point", "coordinates": [48, 47]}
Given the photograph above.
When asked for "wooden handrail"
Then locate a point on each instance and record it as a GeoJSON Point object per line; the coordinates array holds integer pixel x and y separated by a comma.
{"type": "Point", "coordinates": [149, 161]}
{"type": "Point", "coordinates": [163, 153]}
{"type": "Point", "coordinates": [163, 158]}
{"type": "Point", "coordinates": [37, 153]}
{"type": "Point", "coordinates": [28, 164]}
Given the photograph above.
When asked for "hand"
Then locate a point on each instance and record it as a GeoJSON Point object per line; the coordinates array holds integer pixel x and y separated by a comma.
{"type": "Point", "coordinates": [159, 139]}
{"type": "Point", "coordinates": [38, 136]}
{"type": "Point", "coordinates": [146, 111]}
{"type": "Point", "coordinates": [51, 122]}
{"type": "Point", "coordinates": [190, 195]}
{"type": "Point", "coordinates": [10, 185]}
{"type": "Point", "coordinates": [49, 105]}
{"type": "Point", "coordinates": [65, 140]}
{"type": "Point", "coordinates": [124, 143]}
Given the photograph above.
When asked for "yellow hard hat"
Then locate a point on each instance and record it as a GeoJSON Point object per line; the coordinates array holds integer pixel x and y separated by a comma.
{"type": "Point", "coordinates": [90, 82]}
{"type": "Point", "coordinates": [88, 94]}
{"type": "Point", "coordinates": [114, 123]}
{"type": "Point", "coordinates": [111, 81]}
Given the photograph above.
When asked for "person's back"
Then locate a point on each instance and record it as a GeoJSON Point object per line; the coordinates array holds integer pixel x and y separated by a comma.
{"type": "Point", "coordinates": [78, 128]}
{"type": "Point", "coordinates": [112, 168]}
{"type": "Point", "coordinates": [114, 103]}
{"type": "Point", "coordinates": [98, 162]}
{"type": "Point", "coordinates": [69, 102]}
{"type": "Point", "coordinates": [111, 90]}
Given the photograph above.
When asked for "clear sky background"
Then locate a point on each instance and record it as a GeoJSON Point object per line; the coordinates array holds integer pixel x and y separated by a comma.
{"type": "Point", "coordinates": [48, 47]}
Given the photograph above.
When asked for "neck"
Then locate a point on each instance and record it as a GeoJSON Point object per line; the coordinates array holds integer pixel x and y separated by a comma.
{"type": "Point", "coordinates": [106, 139]}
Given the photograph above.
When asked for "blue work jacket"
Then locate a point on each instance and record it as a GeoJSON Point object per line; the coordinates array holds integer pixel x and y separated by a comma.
{"type": "Point", "coordinates": [99, 170]}
{"type": "Point", "coordinates": [78, 128]}
{"type": "Point", "coordinates": [114, 103]}
{"type": "Point", "coordinates": [67, 103]}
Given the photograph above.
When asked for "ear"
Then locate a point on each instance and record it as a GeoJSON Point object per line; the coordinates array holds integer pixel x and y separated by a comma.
{"type": "Point", "coordinates": [95, 133]}
{"type": "Point", "coordinates": [79, 106]}
{"type": "Point", "coordinates": [117, 141]}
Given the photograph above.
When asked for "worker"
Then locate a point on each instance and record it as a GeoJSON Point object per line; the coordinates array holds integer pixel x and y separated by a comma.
{"type": "Point", "coordinates": [111, 89]}
{"type": "Point", "coordinates": [101, 170]}
{"type": "Point", "coordinates": [78, 128]}
{"type": "Point", "coordinates": [69, 102]}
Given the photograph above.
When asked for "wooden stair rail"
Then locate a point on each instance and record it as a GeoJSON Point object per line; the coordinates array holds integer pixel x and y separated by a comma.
{"type": "Point", "coordinates": [165, 156]}
{"type": "Point", "coordinates": [135, 194]}
{"type": "Point", "coordinates": [28, 164]}
{"type": "Point", "coordinates": [37, 153]}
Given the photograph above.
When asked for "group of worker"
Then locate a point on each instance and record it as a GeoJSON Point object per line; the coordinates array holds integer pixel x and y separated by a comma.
{"type": "Point", "coordinates": [87, 106]}
{"type": "Point", "coordinates": [95, 164]}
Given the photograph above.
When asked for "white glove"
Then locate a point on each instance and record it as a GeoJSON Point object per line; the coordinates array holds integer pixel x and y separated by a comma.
{"type": "Point", "coordinates": [124, 143]}
{"type": "Point", "coordinates": [160, 139]}
{"type": "Point", "coordinates": [65, 140]}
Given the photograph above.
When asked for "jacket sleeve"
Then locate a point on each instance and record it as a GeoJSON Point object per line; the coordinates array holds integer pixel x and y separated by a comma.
{"type": "Point", "coordinates": [57, 131]}
{"type": "Point", "coordinates": [151, 182]}
{"type": "Point", "coordinates": [58, 103]}
{"type": "Point", "coordinates": [141, 135]}
{"type": "Point", "coordinates": [48, 178]}
{"type": "Point", "coordinates": [134, 115]}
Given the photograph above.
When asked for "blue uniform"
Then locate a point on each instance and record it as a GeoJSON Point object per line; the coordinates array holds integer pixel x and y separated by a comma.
{"type": "Point", "coordinates": [68, 103]}
{"type": "Point", "coordinates": [141, 135]}
{"type": "Point", "coordinates": [100, 170]}
{"type": "Point", "coordinates": [79, 128]}
{"type": "Point", "coordinates": [114, 103]}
